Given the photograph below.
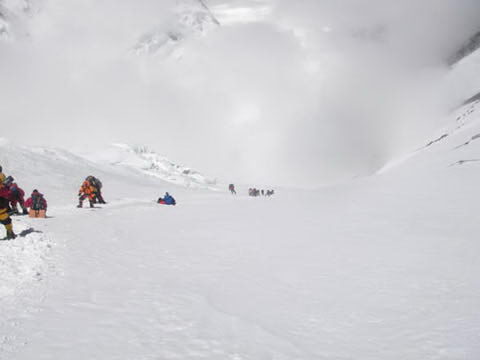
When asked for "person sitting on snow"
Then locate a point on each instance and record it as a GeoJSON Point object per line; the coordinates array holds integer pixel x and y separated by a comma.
{"type": "Point", "coordinates": [36, 201]}
{"type": "Point", "coordinates": [5, 198]}
{"type": "Point", "coordinates": [167, 200]}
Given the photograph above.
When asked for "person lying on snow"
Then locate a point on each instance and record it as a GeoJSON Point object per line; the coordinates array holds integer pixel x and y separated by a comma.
{"type": "Point", "coordinates": [167, 200]}
{"type": "Point", "coordinates": [87, 191]}
{"type": "Point", "coordinates": [18, 196]}
{"type": "Point", "coordinates": [36, 201]}
{"type": "Point", "coordinates": [5, 198]}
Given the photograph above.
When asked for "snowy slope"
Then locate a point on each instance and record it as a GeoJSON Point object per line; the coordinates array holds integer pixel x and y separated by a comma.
{"type": "Point", "coordinates": [457, 142]}
{"type": "Point", "coordinates": [382, 268]}
{"type": "Point", "coordinates": [57, 173]}
{"type": "Point", "coordinates": [468, 48]}
{"type": "Point", "coordinates": [462, 77]}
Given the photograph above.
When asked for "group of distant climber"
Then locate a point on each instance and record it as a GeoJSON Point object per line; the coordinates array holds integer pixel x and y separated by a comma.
{"type": "Point", "coordinates": [255, 192]}
{"type": "Point", "coordinates": [252, 191]}
{"type": "Point", "coordinates": [11, 195]}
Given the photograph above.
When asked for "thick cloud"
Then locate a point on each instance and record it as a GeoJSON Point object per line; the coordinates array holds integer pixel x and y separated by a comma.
{"type": "Point", "coordinates": [315, 92]}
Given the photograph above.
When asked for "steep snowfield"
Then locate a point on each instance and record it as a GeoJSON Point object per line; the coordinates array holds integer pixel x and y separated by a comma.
{"type": "Point", "coordinates": [463, 77]}
{"type": "Point", "coordinates": [384, 267]}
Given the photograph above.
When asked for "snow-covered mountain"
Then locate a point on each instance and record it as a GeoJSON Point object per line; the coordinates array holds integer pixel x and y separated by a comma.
{"type": "Point", "coordinates": [466, 49]}
{"type": "Point", "coordinates": [462, 78]}
{"type": "Point", "coordinates": [192, 19]}
{"type": "Point", "coordinates": [456, 142]}
{"type": "Point", "coordinates": [148, 162]}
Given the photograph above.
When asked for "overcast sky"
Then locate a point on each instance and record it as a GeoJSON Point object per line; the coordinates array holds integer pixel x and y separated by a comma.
{"type": "Point", "coordinates": [283, 92]}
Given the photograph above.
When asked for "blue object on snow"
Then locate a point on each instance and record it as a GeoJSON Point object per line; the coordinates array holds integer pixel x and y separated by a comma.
{"type": "Point", "coordinates": [169, 200]}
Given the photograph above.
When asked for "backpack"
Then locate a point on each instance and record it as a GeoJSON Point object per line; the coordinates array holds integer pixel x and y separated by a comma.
{"type": "Point", "coordinates": [8, 181]}
{"type": "Point", "coordinates": [95, 182]}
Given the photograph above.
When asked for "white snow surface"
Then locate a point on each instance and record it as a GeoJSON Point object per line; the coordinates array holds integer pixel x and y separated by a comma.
{"type": "Point", "coordinates": [384, 267]}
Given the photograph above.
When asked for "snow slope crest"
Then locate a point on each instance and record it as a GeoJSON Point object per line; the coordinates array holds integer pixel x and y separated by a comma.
{"type": "Point", "coordinates": [148, 162]}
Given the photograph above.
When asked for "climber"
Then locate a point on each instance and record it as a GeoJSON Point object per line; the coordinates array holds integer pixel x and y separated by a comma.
{"type": "Point", "coordinates": [18, 197]}
{"type": "Point", "coordinates": [97, 184]}
{"type": "Point", "coordinates": [87, 190]}
{"type": "Point", "coordinates": [2, 175]}
{"type": "Point", "coordinates": [5, 198]}
{"type": "Point", "coordinates": [37, 204]}
{"type": "Point", "coordinates": [167, 200]}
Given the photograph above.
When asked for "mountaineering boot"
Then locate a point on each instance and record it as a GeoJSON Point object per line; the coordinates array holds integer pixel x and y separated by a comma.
{"type": "Point", "coordinates": [91, 204]}
{"type": "Point", "coordinates": [10, 235]}
{"type": "Point", "coordinates": [25, 211]}
{"type": "Point", "coordinates": [80, 204]}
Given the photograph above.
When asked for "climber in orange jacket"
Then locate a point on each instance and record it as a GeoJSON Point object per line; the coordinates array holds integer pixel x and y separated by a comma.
{"type": "Point", "coordinates": [87, 190]}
